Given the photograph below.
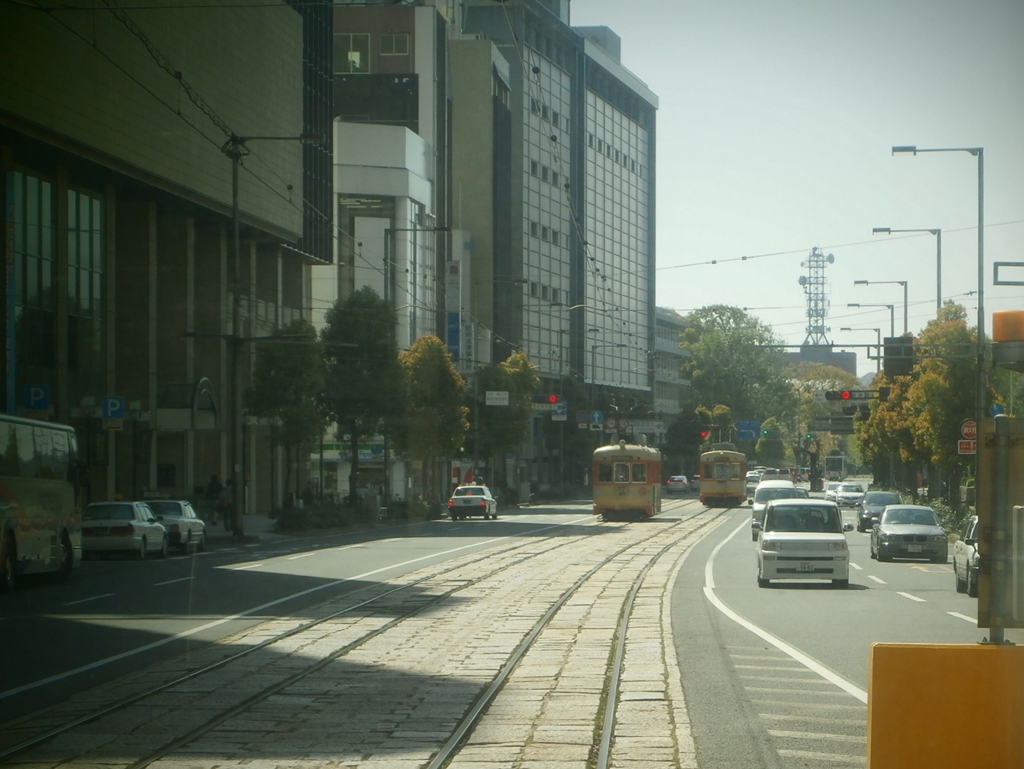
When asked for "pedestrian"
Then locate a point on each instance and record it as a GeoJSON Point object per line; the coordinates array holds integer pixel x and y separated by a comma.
{"type": "Point", "coordinates": [213, 490]}
{"type": "Point", "coordinates": [226, 505]}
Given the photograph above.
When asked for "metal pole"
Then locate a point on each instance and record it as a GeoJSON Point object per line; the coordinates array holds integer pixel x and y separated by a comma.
{"type": "Point", "coordinates": [999, 574]}
{"type": "Point", "coordinates": [389, 244]}
{"type": "Point", "coordinates": [892, 320]}
{"type": "Point", "coordinates": [938, 270]}
{"type": "Point", "coordinates": [237, 492]}
{"type": "Point", "coordinates": [906, 284]}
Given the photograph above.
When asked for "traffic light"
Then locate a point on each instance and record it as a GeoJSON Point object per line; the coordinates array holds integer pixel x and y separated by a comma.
{"type": "Point", "coordinates": [807, 437]}
{"type": "Point", "coordinates": [552, 399]}
{"type": "Point", "coordinates": [765, 431]}
{"type": "Point", "coordinates": [704, 433]}
{"type": "Point", "coordinates": [837, 395]}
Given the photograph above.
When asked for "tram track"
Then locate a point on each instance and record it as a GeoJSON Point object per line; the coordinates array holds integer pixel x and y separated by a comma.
{"type": "Point", "coordinates": [380, 626]}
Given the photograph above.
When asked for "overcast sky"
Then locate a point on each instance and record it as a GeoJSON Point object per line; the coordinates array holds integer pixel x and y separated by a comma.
{"type": "Point", "coordinates": [776, 123]}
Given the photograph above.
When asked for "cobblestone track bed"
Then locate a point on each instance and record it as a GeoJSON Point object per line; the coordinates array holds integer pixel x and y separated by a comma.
{"type": "Point", "coordinates": [395, 696]}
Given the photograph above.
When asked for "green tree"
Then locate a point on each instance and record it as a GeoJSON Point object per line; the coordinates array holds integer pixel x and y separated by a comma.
{"type": "Point", "coordinates": [736, 361]}
{"type": "Point", "coordinates": [436, 422]}
{"type": "Point", "coordinates": [499, 430]}
{"type": "Point", "coordinates": [287, 382]}
{"type": "Point", "coordinates": [365, 388]}
{"type": "Point", "coordinates": [771, 446]}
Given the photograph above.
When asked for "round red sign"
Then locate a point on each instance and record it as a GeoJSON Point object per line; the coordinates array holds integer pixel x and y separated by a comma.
{"type": "Point", "coordinates": [969, 429]}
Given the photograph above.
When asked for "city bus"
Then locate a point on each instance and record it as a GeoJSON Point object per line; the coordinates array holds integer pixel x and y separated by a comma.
{"type": "Point", "coordinates": [40, 500]}
{"type": "Point", "coordinates": [626, 481]}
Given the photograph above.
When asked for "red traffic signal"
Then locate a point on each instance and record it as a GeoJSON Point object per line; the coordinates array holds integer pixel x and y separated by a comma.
{"type": "Point", "coordinates": [838, 395]}
{"type": "Point", "coordinates": [703, 433]}
{"type": "Point", "coordinates": [552, 399]}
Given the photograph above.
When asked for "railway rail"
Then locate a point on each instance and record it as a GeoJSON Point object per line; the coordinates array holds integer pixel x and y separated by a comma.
{"type": "Point", "coordinates": [522, 648]}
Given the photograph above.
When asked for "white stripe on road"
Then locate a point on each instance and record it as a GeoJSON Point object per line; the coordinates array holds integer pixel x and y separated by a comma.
{"type": "Point", "coordinates": [964, 617]}
{"type": "Point", "coordinates": [86, 600]}
{"type": "Point", "coordinates": [778, 643]}
{"type": "Point", "coordinates": [246, 566]}
{"type": "Point", "coordinates": [303, 555]}
{"type": "Point", "coordinates": [171, 581]}
{"type": "Point", "coordinates": [877, 579]}
{"type": "Point", "coordinates": [856, 566]}
{"type": "Point", "coordinates": [911, 597]}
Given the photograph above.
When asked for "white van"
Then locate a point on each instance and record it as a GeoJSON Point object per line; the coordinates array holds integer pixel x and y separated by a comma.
{"type": "Point", "coordinates": [765, 492]}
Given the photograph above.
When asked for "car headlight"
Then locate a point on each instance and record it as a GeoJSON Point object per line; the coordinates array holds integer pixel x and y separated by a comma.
{"type": "Point", "coordinates": [769, 545]}
{"type": "Point", "coordinates": [837, 545]}
{"type": "Point", "coordinates": [938, 538]}
{"type": "Point", "coordinates": [883, 537]}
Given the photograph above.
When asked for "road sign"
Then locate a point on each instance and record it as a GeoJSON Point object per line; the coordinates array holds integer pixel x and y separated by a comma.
{"type": "Point", "coordinates": [496, 398]}
{"type": "Point", "coordinates": [967, 447]}
{"type": "Point", "coordinates": [561, 412]}
{"type": "Point", "coordinates": [113, 407]}
{"type": "Point", "coordinates": [610, 424]}
{"type": "Point", "coordinates": [996, 409]}
{"type": "Point", "coordinates": [748, 429]}
{"type": "Point", "coordinates": [582, 417]}
{"type": "Point", "coordinates": [37, 397]}
{"type": "Point", "coordinates": [648, 426]}
{"type": "Point", "coordinates": [969, 430]}
{"type": "Point", "coordinates": [596, 417]}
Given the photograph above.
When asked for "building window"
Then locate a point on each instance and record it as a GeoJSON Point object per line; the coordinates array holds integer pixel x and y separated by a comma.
{"type": "Point", "coordinates": [545, 292]}
{"type": "Point", "coordinates": [555, 237]}
{"type": "Point", "coordinates": [534, 167]}
{"type": "Point", "coordinates": [34, 262]}
{"type": "Point", "coordinates": [556, 296]}
{"type": "Point", "coordinates": [85, 293]}
{"type": "Point", "coordinates": [554, 178]}
{"type": "Point", "coordinates": [351, 53]}
{"type": "Point", "coordinates": [394, 44]}
{"type": "Point", "coordinates": [534, 229]}
{"type": "Point", "coordinates": [545, 233]}
{"type": "Point", "coordinates": [534, 106]}
{"type": "Point", "coordinates": [534, 289]}
{"type": "Point", "coordinates": [555, 119]}
{"type": "Point", "coordinates": [544, 173]}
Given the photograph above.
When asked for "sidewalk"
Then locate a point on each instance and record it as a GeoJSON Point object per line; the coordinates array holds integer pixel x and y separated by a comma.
{"type": "Point", "coordinates": [255, 528]}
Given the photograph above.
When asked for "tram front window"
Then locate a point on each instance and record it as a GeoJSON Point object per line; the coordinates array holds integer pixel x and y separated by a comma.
{"type": "Point", "coordinates": [621, 472]}
{"type": "Point", "coordinates": [639, 473]}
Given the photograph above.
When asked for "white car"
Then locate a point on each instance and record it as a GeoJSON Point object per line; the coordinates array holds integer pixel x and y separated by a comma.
{"type": "Point", "coordinates": [803, 539]}
{"type": "Point", "coordinates": [677, 484]}
{"type": "Point", "coordinates": [763, 494]}
{"type": "Point", "coordinates": [467, 501]}
{"type": "Point", "coordinates": [831, 489]}
{"type": "Point", "coordinates": [185, 529]}
{"type": "Point", "coordinates": [965, 559]}
{"type": "Point", "coordinates": [122, 527]}
{"type": "Point", "coordinates": [849, 494]}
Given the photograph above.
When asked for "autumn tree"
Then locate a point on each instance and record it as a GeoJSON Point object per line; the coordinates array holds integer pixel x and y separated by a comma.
{"type": "Point", "coordinates": [365, 390]}
{"type": "Point", "coordinates": [287, 380]}
{"type": "Point", "coordinates": [436, 422]}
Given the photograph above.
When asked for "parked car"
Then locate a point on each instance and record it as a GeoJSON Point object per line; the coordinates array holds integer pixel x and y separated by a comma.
{"type": "Point", "coordinates": [695, 483]}
{"type": "Point", "coordinates": [677, 484]}
{"type": "Point", "coordinates": [467, 501]}
{"type": "Point", "coordinates": [872, 505]}
{"type": "Point", "coordinates": [849, 494]}
{"type": "Point", "coordinates": [122, 527]}
{"type": "Point", "coordinates": [803, 539]}
{"type": "Point", "coordinates": [909, 531]}
{"type": "Point", "coordinates": [965, 558]}
{"type": "Point", "coordinates": [185, 529]}
{"type": "Point", "coordinates": [830, 490]}
{"type": "Point", "coordinates": [763, 494]}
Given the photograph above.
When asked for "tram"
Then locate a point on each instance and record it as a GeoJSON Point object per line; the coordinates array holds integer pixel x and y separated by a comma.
{"type": "Point", "coordinates": [723, 472]}
{"type": "Point", "coordinates": [626, 481]}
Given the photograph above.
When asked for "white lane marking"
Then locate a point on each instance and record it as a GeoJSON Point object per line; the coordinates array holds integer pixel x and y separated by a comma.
{"type": "Point", "coordinates": [964, 617]}
{"type": "Point", "coordinates": [858, 567]}
{"type": "Point", "coordinates": [245, 566]}
{"type": "Point", "coordinates": [817, 736]}
{"type": "Point", "coordinates": [831, 759]}
{"type": "Point", "coordinates": [172, 581]}
{"type": "Point", "coordinates": [879, 580]}
{"type": "Point", "coordinates": [778, 643]}
{"type": "Point", "coordinates": [86, 600]}
{"type": "Point", "coordinates": [247, 613]}
{"type": "Point", "coordinates": [303, 555]}
{"type": "Point", "coordinates": [911, 597]}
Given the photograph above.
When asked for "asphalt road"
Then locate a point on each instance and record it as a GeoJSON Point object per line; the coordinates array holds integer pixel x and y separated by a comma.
{"type": "Point", "coordinates": [778, 676]}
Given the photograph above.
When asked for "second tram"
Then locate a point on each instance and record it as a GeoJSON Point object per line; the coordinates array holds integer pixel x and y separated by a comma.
{"type": "Point", "coordinates": [723, 472]}
{"type": "Point", "coordinates": [626, 481]}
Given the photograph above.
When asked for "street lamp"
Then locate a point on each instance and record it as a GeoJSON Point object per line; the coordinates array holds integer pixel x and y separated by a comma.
{"type": "Point", "coordinates": [878, 336]}
{"type": "Point", "coordinates": [938, 255]}
{"type": "Point", "coordinates": [903, 283]}
{"type": "Point", "coordinates": [234, 148]}
{"type": "Point", "coordinates": [892, 314]}
{"type": "Point", "coordinates": [999, 519]}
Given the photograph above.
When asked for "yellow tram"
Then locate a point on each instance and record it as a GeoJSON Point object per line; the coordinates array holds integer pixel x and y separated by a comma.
{"type": "Point", "coordinates": [723, 472]}
{"type": "Point", "coordinates": [626, 481]}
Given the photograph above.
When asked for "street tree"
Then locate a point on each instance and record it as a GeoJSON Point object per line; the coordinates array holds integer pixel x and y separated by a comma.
{"type": "Point", "coordinates": [500, 430]}
{"type": "Point", "coordinates": [771, 446]}
{"type": "Point", "coordinates": [287, 380]}
{"type": "Point", "coordinates": [365, 390]}
{"type": "Point", "coordinates": [736, 361]}
{"type": "Point", "coordinates": [436, 419]}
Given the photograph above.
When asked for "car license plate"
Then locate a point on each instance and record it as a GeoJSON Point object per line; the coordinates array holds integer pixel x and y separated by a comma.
{"type": "Point", "coordinates": [913, 548]}
{"type": "Point", "coordinates": [805, 566]}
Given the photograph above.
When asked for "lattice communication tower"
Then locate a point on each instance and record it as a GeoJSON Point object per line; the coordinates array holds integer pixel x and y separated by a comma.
{"type": "Point", "coordinates": [817, 303]}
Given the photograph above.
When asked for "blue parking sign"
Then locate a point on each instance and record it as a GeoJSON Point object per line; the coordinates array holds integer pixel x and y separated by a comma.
{"type": "Point", "coordinates": [113, 407]}
{"type": "Point", "coordinates": [37, 397]}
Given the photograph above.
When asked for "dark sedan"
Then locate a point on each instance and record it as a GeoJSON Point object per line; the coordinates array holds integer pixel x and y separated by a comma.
{"type": "Point", "coordinates": [871, 507]}
{"type": "Point", "coordinates": [909, 531]}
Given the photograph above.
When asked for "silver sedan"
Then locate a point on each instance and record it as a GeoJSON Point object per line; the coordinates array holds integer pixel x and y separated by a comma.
{"type": "Point", "coordinates": [909, 531]}
{"type": "Point", "coordinates": [185, 529]}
